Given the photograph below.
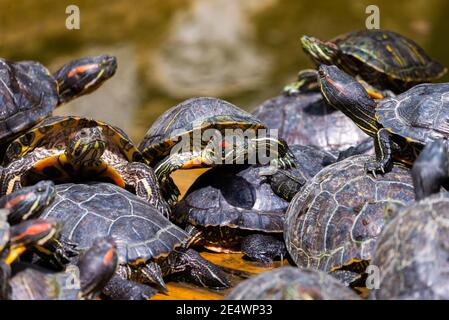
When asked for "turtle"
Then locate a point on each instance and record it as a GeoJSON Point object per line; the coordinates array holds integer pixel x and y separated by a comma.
{"type": "Point", "coordinates": [74, 149]}
{"type": "Point", "coordinates": [308, 119]}
{"type": "Point", "coordinates": [30, 92]}
{"type": "Point", "coordinates": [84, 280]}
{"type": "Point", "coordinates": [400, 126]}
{"type": "Point", "coordinates": [412, 252]}
{"type": "Point", "coordinates": [149, 246]}
{"type": "Point", "coordinates": [205, 132]}
{"type": "Point", "coordinates": [233, 209]}
{"type": "Point", "coordinates": [290, 283]}
{"type": "Point", "coordinates": [309, 160]}
{"type": "Point", "coordinates": [333, 223]}
{"type": "Point", "coordinates": [383, 59]}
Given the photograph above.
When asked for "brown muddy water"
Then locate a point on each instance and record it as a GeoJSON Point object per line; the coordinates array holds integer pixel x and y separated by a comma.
{"type": "Point", "coordinates": [171, 50]}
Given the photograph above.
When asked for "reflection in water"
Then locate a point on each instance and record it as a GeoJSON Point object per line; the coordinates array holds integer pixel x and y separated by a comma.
{"type": "Point", "coordinates": [210, 50]}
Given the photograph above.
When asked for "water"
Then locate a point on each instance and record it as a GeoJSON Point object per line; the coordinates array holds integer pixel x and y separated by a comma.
{"type": "Point", "coordinates": [168, 51]}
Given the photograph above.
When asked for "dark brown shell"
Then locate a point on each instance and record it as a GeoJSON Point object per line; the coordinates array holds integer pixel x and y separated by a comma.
{"type": "Point", "coordinates": [336, 218]}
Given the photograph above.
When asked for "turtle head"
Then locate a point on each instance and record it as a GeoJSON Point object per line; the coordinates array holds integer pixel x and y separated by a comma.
{"type": "Point", "coordinates": [29, 234]}
{"type": "Point", "coordinates": [347, 95]}
{"type": "Point", "coordinates": [28, 202]}
{"type": "Point", "coordinates": [85, 146]}
{"type": "Point", "coordinates": [97, 266]}
{"type": "Point", "coordinates": [430, 169]}
{"type": "Point", "coordinates": [83, 76]}
{"type": "Point", "coordinates": [321, 52]}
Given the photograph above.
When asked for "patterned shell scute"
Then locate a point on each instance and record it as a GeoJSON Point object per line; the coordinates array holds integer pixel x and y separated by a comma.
{"type": "Point", "coordinates": [338, 215]}
{"type": "Point", "coordinates": [421, 113]}
{"type": "Point", "coordinates": [193, 113]}
{"type": "Point", "coordinates": [308, 120]}
{"type": "Point", "coordinates": [289, 283]}
{"type": "Point", "coordinates": [412, 252]}
{"type": "Point", "coordinates": [4, 230]}
{"type": "Point", "coordinates": [390, 53]}
{"type": "Point", "coordinates": [28, 94]}
{"type": "Point", "coordinates": [101, 209]}
{"type": "Point", "coordinates": [231, 197]}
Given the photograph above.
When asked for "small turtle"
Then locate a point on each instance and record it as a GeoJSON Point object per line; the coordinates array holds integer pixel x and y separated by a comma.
{"type": "Point", "coordinates": [30, 92]}
{"type": "Point", "coordinates": [289, 283]}
{"type": "Point", "coordinates": [308, 120]}
{"type": "Point", "coordinates": [72, 149]}
{"type": "Point", "coordinates": [149, 246]}
{"type": "Point", "coordinates": [412, 252]}
{"type": "Point", "coordinates": [232, 208]}
{"type": "Point", "coordinates": [221, 134]}
{"type": "Point", "coordinates": [400, 126]}
{"type": "Point", "coordinates": [333, 223]}
{"type": "Point", "coordinates": [384, 59]}
{"type": "Point", "coordinates": [82, 281]}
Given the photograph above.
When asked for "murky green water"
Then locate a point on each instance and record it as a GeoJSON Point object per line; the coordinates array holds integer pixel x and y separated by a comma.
{"type": "Point", "coordinates": [242, 51]}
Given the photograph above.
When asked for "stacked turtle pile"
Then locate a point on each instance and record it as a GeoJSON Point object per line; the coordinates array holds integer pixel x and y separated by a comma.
{"type": "Point", "coordinates": [343, 190]}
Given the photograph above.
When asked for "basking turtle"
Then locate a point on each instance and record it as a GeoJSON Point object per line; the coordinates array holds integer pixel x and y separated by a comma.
{"type": "Point", "coordinates": [72, 149]}
{"type": "Point", "coordinates": [333, 223]}
{"type": "Point", "coordinates": [308, 120]}
{"type": "Point", "coordinates": [149, 246]}
{"type": "Point", "coordinates": [400, 126]}
{"type": "Point", "coordinates": [232, 208]}
{"type": "Point", "coordinates": [412, 252]}
{"type": "Point", "coordinates": [384, 59]}
{"type": "Point", "coordinates": [82, 281]}
{"type": "Point", "coordinates": [289, 283]}
{"type": "Point", "coordinates": [30, 92]}
{"type": "Point", "coordinates": [221, 134]}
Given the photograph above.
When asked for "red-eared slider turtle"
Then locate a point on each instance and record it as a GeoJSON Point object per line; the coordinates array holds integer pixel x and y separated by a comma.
{"type": "Point", "coordinates": [205, 132]}
{"type": "Point", "coordinates": [232, 208]}
{"type": "Point", "coordinates": [412, 252]}
{"type": "Point", "coordinates": [308, 120]}
{"type": "Point", "coordinates": [149, 246]}
{"type": "Point", "coordinates": [71, 149]}
{"type": "Point", "coordinates": [82, 281]}
{"type": "Point", "coordinates": [400, 126]}
{"type": "Point", "coordinates": [333, 223]}
{"type": "Point", "coordinates": [289, 283]}
{"type": "Point", "coordinates": [384, 59]}
{"type": "Point", "coordinates": [30, 92]}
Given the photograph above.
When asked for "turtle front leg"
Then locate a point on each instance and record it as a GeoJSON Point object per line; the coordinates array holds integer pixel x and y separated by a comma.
{"type": "Point", "coordinates": [263, 248]}
{"type": "Point", "coordinates": [382, 146]}
{"type": "Point", "coordinates": [172, 163]}
{"type": "Point", "coordinates": [146, 185]}
{"type": "Point", "coordinates": [280, 155]}
{"type": "Point", "coordinates": [119, 288]}
{"type": "Point", "coordinates": [191, 267]}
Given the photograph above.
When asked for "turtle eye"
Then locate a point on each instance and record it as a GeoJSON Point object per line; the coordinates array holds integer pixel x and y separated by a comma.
{"type": "Point", "coordinates": [40, 189]}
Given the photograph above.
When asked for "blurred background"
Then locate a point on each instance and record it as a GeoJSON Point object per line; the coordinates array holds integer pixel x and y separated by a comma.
{"type": "Point", "coordinates": [243, 51]}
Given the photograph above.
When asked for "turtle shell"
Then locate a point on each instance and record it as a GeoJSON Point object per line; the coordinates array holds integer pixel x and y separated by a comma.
{"type": "Point", "coordinates": [233, 197]}
{"type": "Point", "coordinates": [196, 113]}
{"type": "Point", "coordinates": [28, 95]}
{"type": "Point", "coordinates": [420, 114]}
{"type": "Point", "coordinates": [101, 209]}
{"type": "Point", "coordinates": [384, 56]}
{"type": "Point", "coordinates": [412, 252]}
{"type": "Point", "coordinates": [336, 218]}
{"type": "Point", "coordinates": [289, 283]}
{"type": "Point", "coordinates": [308, 120]}
{"type": "Point", "coordinates": [54, 131]}
{"type": "Point", "coordinates": [4, 230]}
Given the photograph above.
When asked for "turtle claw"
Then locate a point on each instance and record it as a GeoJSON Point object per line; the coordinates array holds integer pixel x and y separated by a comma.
{"type": "Point", "coordinates": [374, 167]}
